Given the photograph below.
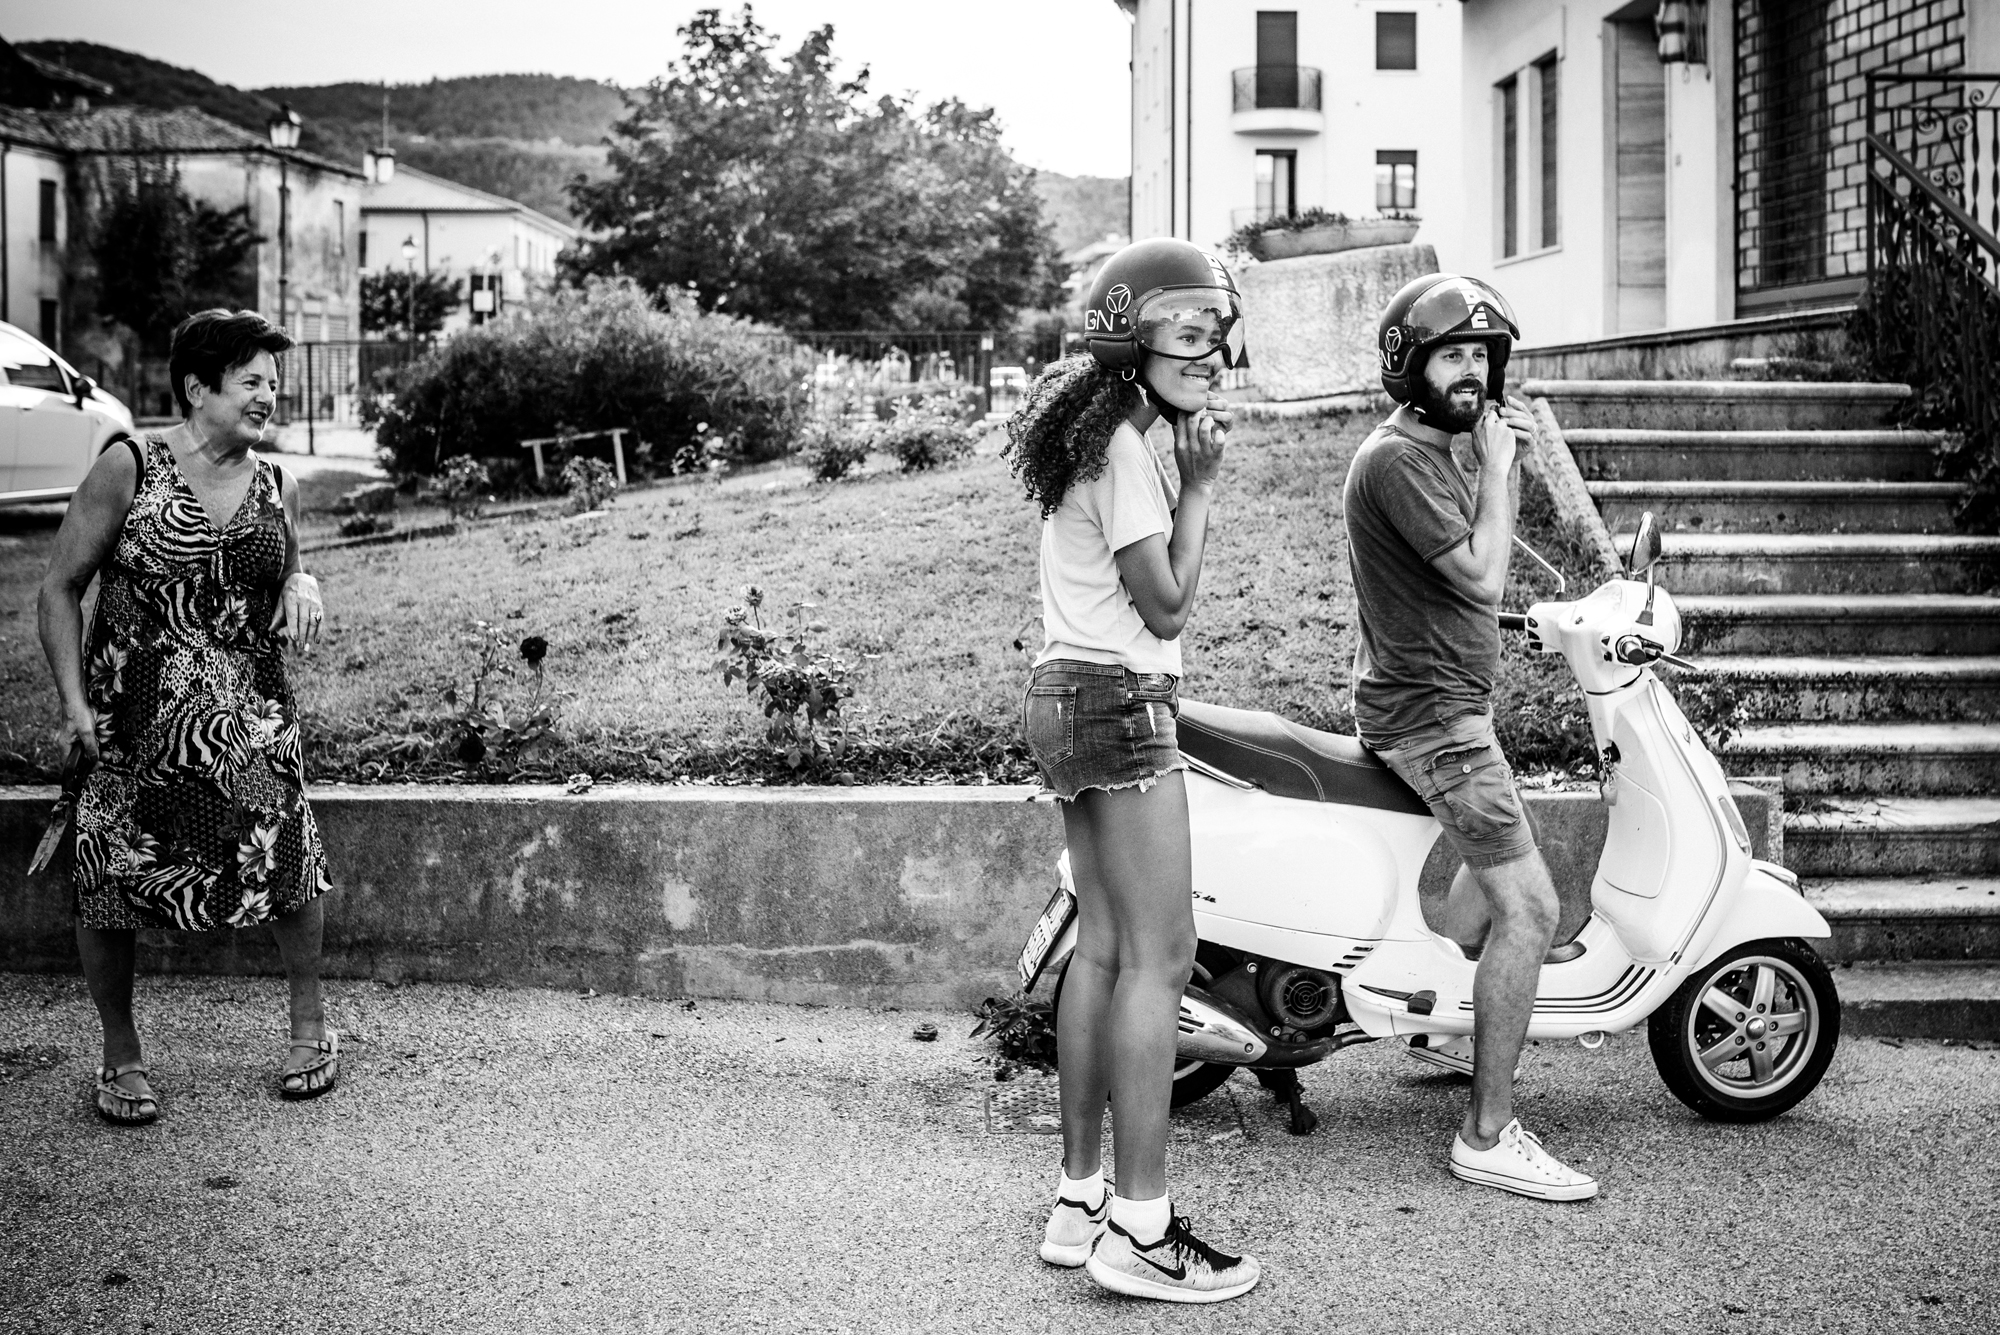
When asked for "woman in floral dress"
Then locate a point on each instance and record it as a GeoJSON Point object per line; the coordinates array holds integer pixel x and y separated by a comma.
{"type": "Point", "coordinates": [193, 815]}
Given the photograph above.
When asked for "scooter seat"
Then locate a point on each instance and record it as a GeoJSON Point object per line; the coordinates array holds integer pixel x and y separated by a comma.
{"type": "Point", "coordinates": [1287, 760]}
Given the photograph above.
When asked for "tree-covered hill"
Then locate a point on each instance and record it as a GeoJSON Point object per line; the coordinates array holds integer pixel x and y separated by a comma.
{"type": "Point", "coordinates": [532, 107]}
{"type": "Point", "coordinates": [520, 136]}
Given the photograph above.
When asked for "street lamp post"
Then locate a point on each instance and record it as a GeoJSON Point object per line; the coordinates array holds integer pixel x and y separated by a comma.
{"type": "Point", "coordinates": [410, 294]}
{"type": "Point", "coordinates": [284, 131]}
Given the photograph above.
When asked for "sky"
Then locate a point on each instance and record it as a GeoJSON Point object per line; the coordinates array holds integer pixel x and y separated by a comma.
{"type": "Point", "coordinates": [1055, 70]}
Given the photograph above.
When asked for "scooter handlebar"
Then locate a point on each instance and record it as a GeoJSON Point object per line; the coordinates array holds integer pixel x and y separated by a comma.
{"type": "Point", "coordinates": [1513, 621]}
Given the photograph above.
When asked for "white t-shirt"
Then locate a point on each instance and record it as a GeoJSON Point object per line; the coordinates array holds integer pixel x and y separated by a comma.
{"type": "Point", "coordinates": [1086, 612]}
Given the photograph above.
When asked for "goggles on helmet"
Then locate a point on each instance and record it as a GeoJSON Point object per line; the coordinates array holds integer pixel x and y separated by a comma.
{"type": "Point", "coordinates": [1189, 323]}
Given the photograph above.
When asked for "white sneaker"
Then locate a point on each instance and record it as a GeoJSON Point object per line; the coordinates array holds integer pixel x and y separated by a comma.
{"type": "Point", "coordinates": [1452, 1054]}
{"type": "Point", "coordinates": [1179, 1268]}
{"type": "Point", "coordinates": [1518, 1163]}
{"type": "Point", "coordinates": [1073, 1229]}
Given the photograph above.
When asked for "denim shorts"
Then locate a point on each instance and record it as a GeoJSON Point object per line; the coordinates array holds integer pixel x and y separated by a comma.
{"type": "Point", "coordinates": [1098, 725]}
{"type": "Point", "coordinates": [1457, 768]}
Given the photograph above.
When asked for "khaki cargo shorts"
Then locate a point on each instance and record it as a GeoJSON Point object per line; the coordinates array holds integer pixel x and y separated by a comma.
{"type": "Point", "coordinates": [1458, 769]}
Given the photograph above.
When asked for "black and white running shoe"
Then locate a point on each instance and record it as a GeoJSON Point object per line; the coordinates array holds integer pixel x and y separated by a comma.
{"type": "Point", "coordinates": [1073, 1229]}
{"type": "Point", "coordinates": [1179, 1268]}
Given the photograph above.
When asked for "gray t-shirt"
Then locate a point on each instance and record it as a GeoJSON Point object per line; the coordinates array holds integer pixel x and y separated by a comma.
{"type": "Point", "coordinates": [1426, 653]}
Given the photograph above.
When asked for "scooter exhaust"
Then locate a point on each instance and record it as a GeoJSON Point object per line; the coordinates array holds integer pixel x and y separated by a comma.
{"type": "Point", "coordinates": [1212, 1030]}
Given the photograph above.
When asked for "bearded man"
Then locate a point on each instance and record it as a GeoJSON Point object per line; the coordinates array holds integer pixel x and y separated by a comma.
{"type": "Point", "coordinates": [1427, 543]}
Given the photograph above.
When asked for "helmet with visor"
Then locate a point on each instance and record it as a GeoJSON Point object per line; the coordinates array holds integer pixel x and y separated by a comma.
{"type": "Point", "coordinates": [1164, 297]}
{"type": "Point", "coordinates": [1442, 308]}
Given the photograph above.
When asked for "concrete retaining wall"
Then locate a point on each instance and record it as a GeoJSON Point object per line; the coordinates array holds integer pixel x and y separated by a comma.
{"type": "Point", "coordinates": [870, 896]}
{"type": "Point", "coordinates": [1311, 321]}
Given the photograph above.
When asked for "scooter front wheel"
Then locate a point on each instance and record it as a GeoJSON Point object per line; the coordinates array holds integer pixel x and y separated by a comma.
{"type": "Point", "coordinates": [1750, 1034]}
{"type": "Point", "coordinates": [1193, 1080]}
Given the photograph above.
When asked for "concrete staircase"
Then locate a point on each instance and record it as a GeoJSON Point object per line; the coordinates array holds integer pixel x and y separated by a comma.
{"type": "Point", "coordinates": [1815, 560]}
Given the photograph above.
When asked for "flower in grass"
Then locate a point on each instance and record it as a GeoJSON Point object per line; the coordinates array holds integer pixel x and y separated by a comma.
{"type": "Point", "coordinates": [257, 855]}
{"type": "Point", "coordinates": [753, 596]}
{"type": "Point", "coordinates": [534, 649]}
{"type": "Point", "coordinates": [736, 615]}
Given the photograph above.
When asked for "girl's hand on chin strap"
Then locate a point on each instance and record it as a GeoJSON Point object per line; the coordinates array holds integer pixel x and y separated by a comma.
{"type": "Point", "coordinates": [1198, 441]}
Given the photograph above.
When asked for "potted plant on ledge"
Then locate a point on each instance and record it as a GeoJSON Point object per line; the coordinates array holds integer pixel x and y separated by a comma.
{"type": "Point", "coordinates": [1317, 232]}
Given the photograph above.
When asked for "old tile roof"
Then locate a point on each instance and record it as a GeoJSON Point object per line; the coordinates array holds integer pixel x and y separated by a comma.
{"type": "Point", "coordinates": [148, 130]}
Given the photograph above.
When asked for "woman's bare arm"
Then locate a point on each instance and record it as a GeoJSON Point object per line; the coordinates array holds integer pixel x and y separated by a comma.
{"type": "Point", "coordinates": [89, 531]}
{"type": "Point", "coordinates": [1161, 573]}
{"type": "Point", "coordinates": [299, 611]}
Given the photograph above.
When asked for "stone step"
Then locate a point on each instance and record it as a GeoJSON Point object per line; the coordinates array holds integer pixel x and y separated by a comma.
{"type": "Point", "coordinates": [1781, 507]}
{"type": "Point", "coordinates": [1896, 918]}
{"type": "Point", "coordinates": [1903, 623]}
{"type": "Point", "coordinates": [1718, 405]}
{"type": "Point", "coordinates": [1623, 454]}
{"type": "Point", "coordinates": [1852, 689]}
{"type": "Point", "coordinates": [1927, 1000]}
{"type": "Point", "coordinates": [1870, 759]}
{"type": "Point", "coordinates": [1830, 563]}
{"type": "Point", "coordinates": [1894, 836]}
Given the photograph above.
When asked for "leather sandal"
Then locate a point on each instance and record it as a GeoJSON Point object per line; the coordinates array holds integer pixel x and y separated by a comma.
{"type": "Point", "coordinates": [317, 1077]}
{"type": "Point", "coordinates": [120, 1106]}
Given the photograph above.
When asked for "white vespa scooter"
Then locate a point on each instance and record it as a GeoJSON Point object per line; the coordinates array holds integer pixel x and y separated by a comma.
{"type": "Point", "coordinates": [1308, 849]}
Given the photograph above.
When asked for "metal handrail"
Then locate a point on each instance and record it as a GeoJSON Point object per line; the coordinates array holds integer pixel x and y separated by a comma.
{"type": "Point", "coordinates": [1259, 88]}
{"type": "Point", "coordinates": [1952, 208]}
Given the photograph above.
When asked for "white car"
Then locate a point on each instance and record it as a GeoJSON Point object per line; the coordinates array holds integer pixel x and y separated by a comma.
{"type": "Point", "coordinates": [54, 421]}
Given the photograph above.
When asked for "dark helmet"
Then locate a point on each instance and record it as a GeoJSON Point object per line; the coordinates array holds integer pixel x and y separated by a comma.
{"type": "Point", "coordinates": [1147, 296]}
{"type": "Point", "coordinates": [1442, 308]}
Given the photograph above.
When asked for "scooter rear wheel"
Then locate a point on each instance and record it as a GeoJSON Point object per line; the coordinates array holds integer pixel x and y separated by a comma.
{"type": "Point", "coordinates": [1193, 1080]}
{"type": "Point", "coordinates": [1750, 1034]}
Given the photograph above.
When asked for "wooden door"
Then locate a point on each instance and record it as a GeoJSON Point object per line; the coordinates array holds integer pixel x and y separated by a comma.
{"type": "Point", "coordinates": [1641, 184]}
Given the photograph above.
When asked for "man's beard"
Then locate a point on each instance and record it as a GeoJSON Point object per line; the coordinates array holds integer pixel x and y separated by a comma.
{"type": "Point", "coordinates": [1436, 409]}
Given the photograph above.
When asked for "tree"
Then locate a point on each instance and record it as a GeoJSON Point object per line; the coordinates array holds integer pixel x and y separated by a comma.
{"type": "Point", "coordinates": [162, 256]}
{"type": "Point", "coordinates": [386, 302]}
{"type": "Point", "coordinates": [773, 189]}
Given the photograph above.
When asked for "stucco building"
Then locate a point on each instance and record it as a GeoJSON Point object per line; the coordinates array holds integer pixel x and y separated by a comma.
{"type": "Point", "coordinates": [1641, 165]}
{"type": "Point", "coordinates": [1241, 111]}
{"type": "Point", "coordinates": [500, 250]}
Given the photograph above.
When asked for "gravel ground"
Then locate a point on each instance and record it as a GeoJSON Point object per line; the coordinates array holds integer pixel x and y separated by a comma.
{"type": "Point", "coordinates": [530, 1161]}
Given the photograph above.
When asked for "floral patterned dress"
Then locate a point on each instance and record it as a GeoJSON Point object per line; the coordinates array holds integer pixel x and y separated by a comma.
{"type": "Point", "coordinates": [196, 816]}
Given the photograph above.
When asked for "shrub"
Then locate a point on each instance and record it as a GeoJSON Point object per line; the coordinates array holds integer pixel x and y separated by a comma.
{"type": "Point", "coordinates": [594, 358]}
{"type": "Point", "coordinates": [590, 483]}
{"type": "Point", "coordinates": [787, 677]}
{"type": "Point", "coordinates": [925, 436]}
{"type": "Point", "coordinates": [832, 450]}
{"type": "Point", "coordinates": [462, 483]}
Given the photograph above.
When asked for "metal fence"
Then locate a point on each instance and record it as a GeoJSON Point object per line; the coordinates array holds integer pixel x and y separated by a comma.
{"type": "Point", "coordinates": [318, 382]}
{"type": "Point", "coordinates": [1802, 120]}
{"type": "Point", "coordinates": [864, 371]}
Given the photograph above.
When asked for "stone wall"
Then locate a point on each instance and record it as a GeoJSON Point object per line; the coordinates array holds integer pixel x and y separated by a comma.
{"type": "Point", "coordinates": [849, 896]}
{"type": "Point", "coordinates": [1311, 320]}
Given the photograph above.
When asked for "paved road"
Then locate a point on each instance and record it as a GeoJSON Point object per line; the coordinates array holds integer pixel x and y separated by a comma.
{"type": "Point", "coordinates": [528, 1161]}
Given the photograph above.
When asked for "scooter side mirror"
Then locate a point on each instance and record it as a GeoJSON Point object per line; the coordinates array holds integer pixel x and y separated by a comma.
{"type": "Point", "coordinates": [1645, 552]}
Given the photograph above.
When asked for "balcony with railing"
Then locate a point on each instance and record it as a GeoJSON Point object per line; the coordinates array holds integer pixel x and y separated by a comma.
{"type": "Point", "coordinates": [1276, 99]}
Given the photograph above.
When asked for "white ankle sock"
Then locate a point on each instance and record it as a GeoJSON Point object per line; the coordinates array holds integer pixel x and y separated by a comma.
{"type": "Point", "coordinates": [1145, 1220]}
{"type": "Point", "coordinates": [1088, 1190]}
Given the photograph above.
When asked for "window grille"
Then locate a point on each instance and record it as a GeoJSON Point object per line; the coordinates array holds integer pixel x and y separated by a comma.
{"type": "Point", "coordinates": [1802, 71]}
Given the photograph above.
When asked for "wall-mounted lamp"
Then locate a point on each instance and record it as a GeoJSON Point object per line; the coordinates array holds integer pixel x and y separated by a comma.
{"type": "Point", "coordinates": [1682, 29]}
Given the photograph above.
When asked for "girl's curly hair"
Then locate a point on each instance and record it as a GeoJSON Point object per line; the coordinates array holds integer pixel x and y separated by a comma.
{"type": "Point", "coordinates": [1063, 430]}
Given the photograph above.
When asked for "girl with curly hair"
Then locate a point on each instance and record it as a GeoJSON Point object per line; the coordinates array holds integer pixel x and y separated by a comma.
{"type": "Point", "coordinates": [1120, 559]}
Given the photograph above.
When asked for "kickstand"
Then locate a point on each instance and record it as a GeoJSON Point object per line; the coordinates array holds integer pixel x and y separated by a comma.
{"type": "Point", "coordinates": [1284, 1086]}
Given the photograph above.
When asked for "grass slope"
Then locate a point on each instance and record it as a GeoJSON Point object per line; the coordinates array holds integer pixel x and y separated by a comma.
{"type": "Point", "coordinates": [925, 578]}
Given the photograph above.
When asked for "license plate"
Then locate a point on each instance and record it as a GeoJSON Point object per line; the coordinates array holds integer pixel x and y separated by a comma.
{"type": "Point", "coordinates": [1049, 929]}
